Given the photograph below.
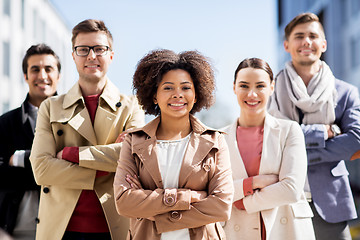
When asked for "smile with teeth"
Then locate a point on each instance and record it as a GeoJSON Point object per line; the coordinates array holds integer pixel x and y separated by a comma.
{"type": "Point", "coordinates": [177, 104]}
{"type": "Point", "coordinates": [252, 103]}
{"type": "Point", "coordinates": [93, 66]}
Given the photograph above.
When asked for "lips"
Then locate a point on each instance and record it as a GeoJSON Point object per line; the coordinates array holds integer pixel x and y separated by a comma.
{"type": "Point", "coordinates": [252, 103]}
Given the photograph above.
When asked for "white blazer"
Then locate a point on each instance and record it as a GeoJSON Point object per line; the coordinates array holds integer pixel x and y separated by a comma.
{"type": "Point", "coordinates": [283, 206]}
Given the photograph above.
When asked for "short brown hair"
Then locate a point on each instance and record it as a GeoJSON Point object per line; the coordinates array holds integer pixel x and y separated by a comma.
{"type": "Point", "coordinates": [302, 18]}
{"type": "Point", "coordinates": [151, 68]}
{"type": "Point", "coordinates": [91, 25]}
{"type": "Point", "coordinates": [256, 63]}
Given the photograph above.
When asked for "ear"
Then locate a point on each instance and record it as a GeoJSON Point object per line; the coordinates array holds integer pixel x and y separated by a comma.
{"type": "Point", "coordinates": [25, 77]}
{"type": "Point", "coordinates": [154, 99]}
{"type": "Point", "coordinates": [272, 86]}
{"type": "Point", "coordinates": [324, 46]}
{"type": "Point", "coordinates": [286, 45]}
{"type": "Point", "coordinates": [112, 55]}
{"type": "Point", "coordinates": [73, 55]}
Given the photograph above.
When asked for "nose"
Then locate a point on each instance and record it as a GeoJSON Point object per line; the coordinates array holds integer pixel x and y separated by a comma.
{"type": "Point", "coordinates": [42, 74]}
{"type": "Point", "coordinates": [177, 93]}
{"type": "Point", "coordinates": [252, 93]}
{"type": "Point", "coordinates": [307, 41]}
{"type": "Point", "coordinates": [91, 54]}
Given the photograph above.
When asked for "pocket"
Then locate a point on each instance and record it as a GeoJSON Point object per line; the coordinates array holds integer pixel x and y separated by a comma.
{"type": "Point", "coordinates": [301, 210]}
{"type": "Point", "coordinates": [340, 170]}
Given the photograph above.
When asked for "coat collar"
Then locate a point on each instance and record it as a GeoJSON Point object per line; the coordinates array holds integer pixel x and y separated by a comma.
{"type": "Point", "coordinates": [110, 90]}
{"type": "Point", "coordinates": [200, 144]}
{"type": "Point", "coordinates": [271, 140]}
{"type": "Point", "coordinates": [196, 125]}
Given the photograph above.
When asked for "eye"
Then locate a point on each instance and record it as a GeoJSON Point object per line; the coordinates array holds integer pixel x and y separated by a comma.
{"type": "Point", "coordinates": [48, 69]}
{"type": "Point", "coordinates": [186, 88]}
{"type": "Point", "coordinates": [260, 86]}
{"type": "Point", "coordinates": [99, 50]}
{"type": "Point", "coordinates": [243, 86]}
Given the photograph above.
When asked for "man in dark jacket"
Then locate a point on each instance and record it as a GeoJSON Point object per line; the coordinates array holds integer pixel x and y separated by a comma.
{"type": "Point", "coordinates": [19, 194]}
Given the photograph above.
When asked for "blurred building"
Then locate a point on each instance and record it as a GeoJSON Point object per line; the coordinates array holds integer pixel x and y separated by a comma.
{"type": "Point", "coordinates": [24, 23]}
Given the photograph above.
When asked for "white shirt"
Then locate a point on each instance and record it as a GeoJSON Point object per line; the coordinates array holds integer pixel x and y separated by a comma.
{"type": "Point", "coordinates": [170, 158]}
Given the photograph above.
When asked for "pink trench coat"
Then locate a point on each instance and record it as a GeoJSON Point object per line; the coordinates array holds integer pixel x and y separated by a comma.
{"type": "Point", "coordinates": [206, 167]}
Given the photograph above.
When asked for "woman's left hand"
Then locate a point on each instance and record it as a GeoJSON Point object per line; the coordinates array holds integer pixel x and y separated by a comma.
{"type": "Point", "coordinates": [133, 181]}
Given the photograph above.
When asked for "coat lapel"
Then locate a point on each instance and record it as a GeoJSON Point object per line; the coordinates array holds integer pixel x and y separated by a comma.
{"type": "Point", "coordinates": [237, 164]}
{"type": "Point", "coordinates": [198, 147]}
{"type": "Point", "coordinates": [81, 122]}
{"type": "Point", "coordinates": [271, 145]}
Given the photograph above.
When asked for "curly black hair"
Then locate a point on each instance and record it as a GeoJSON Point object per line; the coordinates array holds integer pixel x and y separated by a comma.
{"type": "Point", "coordinates": [151, 68]}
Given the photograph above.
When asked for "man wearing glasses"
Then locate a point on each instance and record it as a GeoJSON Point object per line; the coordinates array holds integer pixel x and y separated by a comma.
{"type": "Point", "coordinates": [74, 154]}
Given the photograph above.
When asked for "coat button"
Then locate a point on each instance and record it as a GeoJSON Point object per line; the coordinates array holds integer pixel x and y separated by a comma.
{"type": "Point", "coordinates": [118, 104]}
{"type": "Point", "coordinates": [46, 190]}
{"type": "Point", "coordinates": [37, 220]}
{"type": "Point", "coordinates": [169, 201]}
{"type": "Point", "coordinates": [236, 228]}
{"type": "Point", "coordinates": [175, 215]}
{"type": "Point", "coordinates": [60, 132]}
{"type": "Point", "coordinates": [283, 220]}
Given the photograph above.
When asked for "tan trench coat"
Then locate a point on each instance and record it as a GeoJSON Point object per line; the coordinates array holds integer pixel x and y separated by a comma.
{"type": "Point", "coordinates": [64, 121]}
{"type": "Point", "coordinates": [206, 167]}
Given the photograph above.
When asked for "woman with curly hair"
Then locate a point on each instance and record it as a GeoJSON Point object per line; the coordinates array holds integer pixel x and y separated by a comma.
{"type": "Point", "coordinates": [174, 177]}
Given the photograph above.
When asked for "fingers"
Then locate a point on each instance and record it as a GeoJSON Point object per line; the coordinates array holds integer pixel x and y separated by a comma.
{"type": "Point", "coordinates": [133, 181]}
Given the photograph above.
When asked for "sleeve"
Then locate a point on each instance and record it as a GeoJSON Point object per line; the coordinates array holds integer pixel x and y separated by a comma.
{"type": "Point", "coordinates": [291, 176]}
{"type": "Point", "coordinates": [345, 145]}
{"type": "Point", "coordinates": [216, 207]}
{"type": "Point", "coordinates": [143, 203]}
{"type": "Point", "coordinates": [48, 170]}
{"type": "Point", "coordinates": [104, 157]}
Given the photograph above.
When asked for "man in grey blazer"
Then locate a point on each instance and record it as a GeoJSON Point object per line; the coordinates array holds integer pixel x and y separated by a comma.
{"type": "Point", "coordinates": [328, 111]}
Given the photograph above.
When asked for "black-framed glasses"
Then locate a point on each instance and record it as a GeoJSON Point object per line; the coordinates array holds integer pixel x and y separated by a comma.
{"type": "Point", "coordinates": [99, 50]}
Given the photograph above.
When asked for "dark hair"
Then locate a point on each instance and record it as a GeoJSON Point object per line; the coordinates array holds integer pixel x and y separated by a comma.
{"type": "Point", "coordinates": [256, 63]}
{"type": "Point", "coordinates": [302, 18]}
{"type": "Point", "coordinates": [151, 68]}
{"type": "Point", "coordinates": [91, 25]}
{"type": "Point", "coordinates": [39, 49]}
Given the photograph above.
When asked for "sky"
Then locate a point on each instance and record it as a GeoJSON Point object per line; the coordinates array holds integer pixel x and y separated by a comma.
{"type": "Point", "coordinates": [226, 31]}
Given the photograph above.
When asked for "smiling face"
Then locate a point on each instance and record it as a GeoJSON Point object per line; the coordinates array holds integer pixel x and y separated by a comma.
{"type": "Point", "coordinates": [175, 95]}
{"type": "Point", "coordinates": [42, 77]}
{"type": "Point", "coordinates": [253, 88]}
{"type": "Point", "coordinates": [92, 68]}
{"type": "Point", "coordinates": [306, 43]}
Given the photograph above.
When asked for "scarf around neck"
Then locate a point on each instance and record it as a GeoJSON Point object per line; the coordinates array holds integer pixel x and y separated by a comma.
{"type": "Point", "coordinates": [317, 101]}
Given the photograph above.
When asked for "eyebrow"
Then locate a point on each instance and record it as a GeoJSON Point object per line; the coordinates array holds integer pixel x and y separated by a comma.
{"type": "Point", "coordinates": [174, 83]}
{"type": "Point", "coordinates": [37, 66]}
{"type": "Point", "coordinates": [249, 83]}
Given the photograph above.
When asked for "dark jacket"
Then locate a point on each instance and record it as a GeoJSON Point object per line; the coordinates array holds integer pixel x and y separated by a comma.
{"type": "Point", "coordinates": [15, 134]}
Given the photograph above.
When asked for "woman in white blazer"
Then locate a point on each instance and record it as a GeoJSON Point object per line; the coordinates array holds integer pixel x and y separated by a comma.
{"type": "Point", "coordinates": [268, 159]}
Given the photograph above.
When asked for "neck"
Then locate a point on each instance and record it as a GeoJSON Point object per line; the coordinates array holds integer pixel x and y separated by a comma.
{"type": "Point", "coordinates": [92, 88]}
{"type": "Point", "coordinates": [173, 129]}
{"type": "Point", "coordinates": [36, 101]}
{"type": "Point", "coordinates": [307, 72]}
{"type": "Point", "coordinates": [251, 120]}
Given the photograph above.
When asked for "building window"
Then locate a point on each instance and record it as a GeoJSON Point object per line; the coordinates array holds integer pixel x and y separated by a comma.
{"type": "Point", "coordinates": [6, 59]}
{"type": "Point", "coordinates": [23, 14]}
{"type": "Point", "coordinates": [35, 23]}
{"type": "Point", "coordinates": [355, 7]}
{"type": "Point", "coordinates": [6, 7]}
{"type": "Point", "coordinates": [355, 49]}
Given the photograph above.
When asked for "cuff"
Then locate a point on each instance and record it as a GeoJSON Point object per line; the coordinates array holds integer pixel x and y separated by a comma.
{"type": "Point", "coordinates": [239, 204]}
{"type": "Point", "coordinates": [326, 136]}
{"type": "Point", "coordinates": [248, 186]}
{"type": "Point", "coordinates": [71, 154]}
{"type": "Point", "coordinates": [19, 158]}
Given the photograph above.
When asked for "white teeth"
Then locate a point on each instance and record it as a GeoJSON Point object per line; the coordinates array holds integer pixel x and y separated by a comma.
{"type": "Point", "coordinates": [176, 105]}
{"type": "Point", "coordinates": [252, 103]}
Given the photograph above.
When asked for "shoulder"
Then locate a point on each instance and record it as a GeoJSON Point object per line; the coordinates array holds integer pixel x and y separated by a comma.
{"type": "Point", "coordinates": [10, 114]}
{"type": "Point", "coordinates": [347, 93]}
{"type": "Point", "coordinates": [284, 125]}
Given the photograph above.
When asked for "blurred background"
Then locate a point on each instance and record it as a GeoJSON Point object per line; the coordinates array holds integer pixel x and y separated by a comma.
{"type": "Point", "coordinates": [225, 31]}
